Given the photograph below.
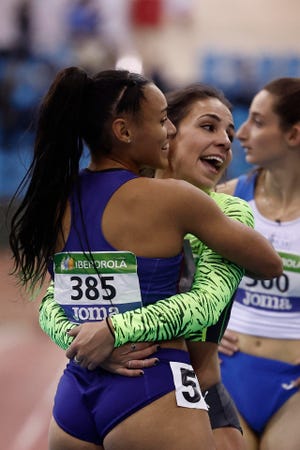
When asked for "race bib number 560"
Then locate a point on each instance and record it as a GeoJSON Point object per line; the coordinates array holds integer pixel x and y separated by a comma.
{"type": "Point", "coordinates": [91, 286]}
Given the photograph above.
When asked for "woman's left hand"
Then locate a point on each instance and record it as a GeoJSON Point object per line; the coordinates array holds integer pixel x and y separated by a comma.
{"type": "Point", "coordinates": [130, 359]}
{"type": "Point", "coordinates": [93, 347]}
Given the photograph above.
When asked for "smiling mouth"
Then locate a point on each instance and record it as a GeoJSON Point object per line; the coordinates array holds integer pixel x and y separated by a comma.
{"type": "Point", "coordinates": [215, 161]}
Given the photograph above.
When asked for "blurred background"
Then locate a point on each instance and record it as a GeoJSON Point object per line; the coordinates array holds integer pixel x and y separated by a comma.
{"type": "Point", "coordinates": [236, 45]}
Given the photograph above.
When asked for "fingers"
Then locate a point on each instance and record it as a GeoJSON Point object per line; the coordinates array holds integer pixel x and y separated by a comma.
{"type": "Point", "coordinates": [229, 343]}
{"type": "Point", "coordinates": [74, 331]}
{"type": "Point", "coordinates": [91, 366]}
{"type": "Point", "coordinates": [134, 367]}
{"type": "Point", "coordinates": [141, 363]}
{"type": "Point", "coordinates": [130, 372]}
{"type": "Point", "coordinates": [230, 336]}
{"type": "Point", "coordinates": [71, 352]}
{"type": "Point", "coordinates": [229, 351]}
{"type": "Point", "coordinates": [79, 360]}
{"type": "Point", "coordinates": [128, 360]}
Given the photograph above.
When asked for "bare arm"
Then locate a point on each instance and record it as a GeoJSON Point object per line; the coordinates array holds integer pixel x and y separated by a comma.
{"type": "Point", "coordinates": [231, 239]}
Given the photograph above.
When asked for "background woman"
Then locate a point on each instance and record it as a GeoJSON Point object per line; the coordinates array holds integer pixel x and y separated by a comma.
{"type": "Point", "coordinates": [264, 375]}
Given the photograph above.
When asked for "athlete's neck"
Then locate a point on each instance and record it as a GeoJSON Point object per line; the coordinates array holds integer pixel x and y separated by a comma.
{"type": "Point", "coordinates": [111, 163]}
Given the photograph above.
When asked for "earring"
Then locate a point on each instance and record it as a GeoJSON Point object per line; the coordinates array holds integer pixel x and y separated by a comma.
{"type": "Point", "coordinates": [128, 140]}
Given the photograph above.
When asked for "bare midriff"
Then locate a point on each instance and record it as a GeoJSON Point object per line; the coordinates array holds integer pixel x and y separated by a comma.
{"type": "Point", "coordinates": [287, 350]}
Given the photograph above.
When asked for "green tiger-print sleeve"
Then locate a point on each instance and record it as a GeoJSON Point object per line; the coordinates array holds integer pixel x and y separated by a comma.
{"type": "Point", "coordinates": [182, 315]}
{"type": "Point", "coordinates": [54, 321]}
{"type": "Point", "coordinates": [187, 315]}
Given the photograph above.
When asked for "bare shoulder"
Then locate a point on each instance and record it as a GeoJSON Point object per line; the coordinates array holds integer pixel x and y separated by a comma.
{"type": "Point", "coordinates": [165, 194]}
{"type": "Point", "coordinates": [174, 197]}
{"type": "Point", "coordinates": [170, 187]}
{"type": "Point", "coordinates": [228, 187]}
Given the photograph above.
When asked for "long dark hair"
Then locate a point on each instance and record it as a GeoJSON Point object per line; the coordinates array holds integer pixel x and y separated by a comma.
{"type": "Point", "coordinates": [77, 109]}
{"type": "Point", "coordinates": [180, 101]}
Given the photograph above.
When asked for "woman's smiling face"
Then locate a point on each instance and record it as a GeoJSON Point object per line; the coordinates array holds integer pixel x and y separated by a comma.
{"type": "Point", "coordinates": [201, 150]}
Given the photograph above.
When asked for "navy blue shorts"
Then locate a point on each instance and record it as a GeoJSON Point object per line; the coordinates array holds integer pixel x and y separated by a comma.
{"type": "Point", "coordinates": [88, 404]}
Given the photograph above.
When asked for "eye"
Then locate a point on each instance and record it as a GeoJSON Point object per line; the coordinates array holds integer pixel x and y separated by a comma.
{"type": "Point", "coordinates": [164, 120]}
{"type": "Point", "coordinates": [209, 127]}
{"type": "Point", "coordinates": [258, 122]}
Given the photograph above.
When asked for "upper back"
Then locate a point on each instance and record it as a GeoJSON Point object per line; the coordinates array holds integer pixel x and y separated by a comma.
{"type": "Point", "coordinates": [144, 215]}
{"type": "Point", "coordinates": [87, 204]}
{"type": "Point", "coordinates": [121, 211]}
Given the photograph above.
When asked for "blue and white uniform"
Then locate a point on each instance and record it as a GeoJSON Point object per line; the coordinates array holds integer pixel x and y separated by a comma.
{"type": "Point", "coordinates": [94, 280]}
{"type": "Point", "coordinates": [270, 309]}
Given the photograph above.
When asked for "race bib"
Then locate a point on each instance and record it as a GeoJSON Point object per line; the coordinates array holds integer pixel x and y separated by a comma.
{"type": "Point", "coordinates": [92, 286]}
{"type": "Point", "coordinates": [279, 294]}
{"type": "Point", "coordinates": [187, 389]}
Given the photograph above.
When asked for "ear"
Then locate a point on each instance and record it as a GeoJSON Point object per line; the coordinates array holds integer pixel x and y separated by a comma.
{"type": "Point", "coordinates": [121, 130]}
{"type": "Point", "coordinates": [293, 135]}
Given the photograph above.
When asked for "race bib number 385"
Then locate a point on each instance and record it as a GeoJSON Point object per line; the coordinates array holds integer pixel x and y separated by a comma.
{"type": "Point", "coordinates": [91, 286]}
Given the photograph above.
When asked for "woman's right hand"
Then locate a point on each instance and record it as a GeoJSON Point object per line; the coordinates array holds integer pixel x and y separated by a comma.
{"type": "Point", "coordinates": [229, 343]}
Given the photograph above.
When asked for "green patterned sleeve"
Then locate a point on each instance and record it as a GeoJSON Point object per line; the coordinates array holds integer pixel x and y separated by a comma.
{"type": "Point", "coordinates": [54, 321]}
{"type": "Point", "coordinates": [182, 315]}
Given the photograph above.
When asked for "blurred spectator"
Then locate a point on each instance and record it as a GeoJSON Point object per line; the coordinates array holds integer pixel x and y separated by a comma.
{"type": "Point", "coordinates": [84, 20]}
{"type": "Point", "coordinates": [23, 13]}
{"type": "Point", "coordinates": [10, 32]}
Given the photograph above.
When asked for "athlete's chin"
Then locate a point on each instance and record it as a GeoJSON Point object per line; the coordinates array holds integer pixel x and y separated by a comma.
{"type": "Point", "coordinates": [250, 159]}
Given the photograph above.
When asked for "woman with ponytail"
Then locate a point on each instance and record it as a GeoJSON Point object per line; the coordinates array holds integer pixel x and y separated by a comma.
{"type": "Point", "coordinates": [112, 241]}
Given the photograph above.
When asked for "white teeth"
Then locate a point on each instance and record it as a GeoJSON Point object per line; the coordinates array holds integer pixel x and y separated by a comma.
{"type": "Point", "coordinates": [217, 159]}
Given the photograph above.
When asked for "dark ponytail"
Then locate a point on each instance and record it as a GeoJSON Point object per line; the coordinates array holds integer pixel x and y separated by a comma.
{"type": "Point", "coordinates": [54, 170]}
{"type": "Point", "coordinates": [76, 109]}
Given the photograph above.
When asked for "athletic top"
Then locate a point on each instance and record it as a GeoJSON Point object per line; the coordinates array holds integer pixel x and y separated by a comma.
{"type": "Point", "coordinates": [92, 278]}
{"type": "Point", "coordinates": [270, 308]}
{"type": "Point", "coordinates": [183, 315]}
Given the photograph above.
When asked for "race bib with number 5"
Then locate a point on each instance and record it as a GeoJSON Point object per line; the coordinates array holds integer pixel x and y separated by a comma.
{"type": "Point", "coordinates": [187, 389]}
{"type": "Point", "coordinates": [92, 286]}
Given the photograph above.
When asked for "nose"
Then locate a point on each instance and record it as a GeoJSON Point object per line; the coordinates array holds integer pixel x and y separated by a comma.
{"type": "Point", "coordinates": [241, 132]}
{"type": "Point", "coordinates": [171, 129]}
{"type": "Point", "coordinates": [224, 140]}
